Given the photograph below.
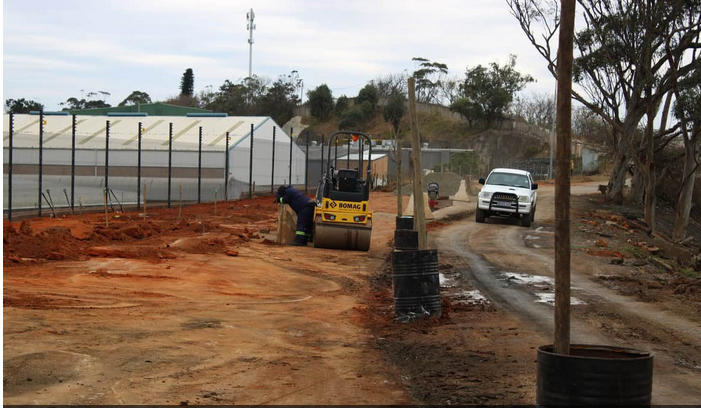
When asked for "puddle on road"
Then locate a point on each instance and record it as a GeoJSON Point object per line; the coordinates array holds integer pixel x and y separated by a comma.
{"type": "Point", "coordinates": [549, 298]}
{"type": "Point", "coordinates": [544, 284]}
{"type": "Point", "coordinates": [470, 297]}
{"type": "Point", "coordinates": [467, 297]}
{"type": "Point", "coordinates": [448, 281]}
{"type": "Point", "coordinates": [543, 230]}
{"type": "Point", "coordinates": [543, 236]}
{"type": "Point", "coordinates": [526, 279]}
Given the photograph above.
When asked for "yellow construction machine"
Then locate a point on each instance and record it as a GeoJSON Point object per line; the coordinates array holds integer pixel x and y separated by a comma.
{"type": "Point", "coordinates": [343, 219]}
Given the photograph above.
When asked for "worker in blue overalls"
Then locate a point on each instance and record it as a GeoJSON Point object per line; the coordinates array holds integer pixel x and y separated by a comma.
{"type": "Point", "coordinates": [303, 206]}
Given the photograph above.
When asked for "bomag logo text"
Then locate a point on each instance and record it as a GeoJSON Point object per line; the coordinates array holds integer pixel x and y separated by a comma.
{"type": "Point", "coordinates": [349, 206]}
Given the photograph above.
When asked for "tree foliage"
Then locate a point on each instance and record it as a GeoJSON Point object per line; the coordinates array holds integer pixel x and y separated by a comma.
{"type": "Point", "coordinates": [136, 98]}
{"type": "Point", "coordinates": [687, 107]}
{"type": "Point", "coordinates": [394, 111]}
{"type": "Point", "coordinates": [342, 104]}
{"type": "Point", "coordinates": [79, 104]}
{"type": "Point", "coordinates": [279, 100]}
{"type": "Point", "coordinates": [468, 110]}
{"type": "Point", "coordinates": [22, 106]}
{"type": "Point", "coordinates": [487, 92]}
{"type": "Point", "coordinates": [368, 94]}
{"type": "Point", "coordinates": [589, 127]}
{"type": "Point", "coordinates": [429, 77]}
{"type": "Point", "coordinates": [537, 109]}
{"type": "Point", "coordinates": [187, 83]}
{"type": "Point", "coordinates": [320, 101]}
{"type": "Point", "coordinates": [391, 84]}
{"type": "Point", "coordinates": [352, 118]}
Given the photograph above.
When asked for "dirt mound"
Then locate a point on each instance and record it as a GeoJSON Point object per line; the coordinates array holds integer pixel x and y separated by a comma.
{"type": "Point", "coordinates": [51, 243]}
{"type": "Point", "coordinates": [120, 231]}
{"type": "Point", "coordinates": [205, 245]}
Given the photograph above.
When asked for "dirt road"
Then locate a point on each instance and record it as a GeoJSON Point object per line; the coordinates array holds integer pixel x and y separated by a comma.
{"type": "Point", "coordinates": [156, 312]}
{"type": "Point", "coordinates": [513, 268]}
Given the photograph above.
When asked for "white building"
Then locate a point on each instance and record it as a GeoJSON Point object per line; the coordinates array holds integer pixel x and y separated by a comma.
{"type": "Point", "coordinates": [90, 148]}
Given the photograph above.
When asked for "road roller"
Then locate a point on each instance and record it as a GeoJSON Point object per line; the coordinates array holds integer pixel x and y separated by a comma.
{"type": "Point", "coordinates": [342, 218]}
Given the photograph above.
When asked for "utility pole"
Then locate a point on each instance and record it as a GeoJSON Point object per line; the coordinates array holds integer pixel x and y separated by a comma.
{"type": "Point", "coordinates": [552, 136]}
{"type": "Point", "coordinates": [250, 16]}
{"type": "Point", "coordinates": [562, 179]}
{"type": "Point", "coordinates": [419, 210]}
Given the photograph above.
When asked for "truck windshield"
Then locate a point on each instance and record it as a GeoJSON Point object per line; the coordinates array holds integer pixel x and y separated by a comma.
{"type": "Point", "coordinates": [508, 179]}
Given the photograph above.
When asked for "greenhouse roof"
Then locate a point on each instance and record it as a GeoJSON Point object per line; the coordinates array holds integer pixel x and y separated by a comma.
{"type": "Point", "coordinates": [91, 130]}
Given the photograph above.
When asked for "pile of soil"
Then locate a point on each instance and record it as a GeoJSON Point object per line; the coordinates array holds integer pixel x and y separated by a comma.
{"type": "Point", "coordinates": [24, 245]}
{"type": "Point", "coordinates": [208, 246]}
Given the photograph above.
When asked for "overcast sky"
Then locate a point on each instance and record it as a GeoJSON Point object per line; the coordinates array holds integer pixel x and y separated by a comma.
{"type": "Point", "coordinates": [54, 49]}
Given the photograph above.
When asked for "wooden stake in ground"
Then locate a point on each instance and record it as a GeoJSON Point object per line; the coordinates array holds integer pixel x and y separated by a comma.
{"type": "Point", "coordinates": [144, 201]}
{"type": "Point", "coordinates": [180, 202]}
{"type": "Point", "coordinates": [80, 203]}
{"type": "Point", "coordinates": [562, 179]}
{"type": "Point", "coordinates": [107, 222]}
{"type": "Point", "coordinates": [419, 211]}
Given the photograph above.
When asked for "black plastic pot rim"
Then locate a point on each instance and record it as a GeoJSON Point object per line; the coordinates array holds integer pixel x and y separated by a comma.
{"type": "Point", "coordinates": [642, 355]}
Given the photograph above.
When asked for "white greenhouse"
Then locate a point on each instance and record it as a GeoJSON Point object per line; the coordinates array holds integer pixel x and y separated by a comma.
{"type": "Point", "coordinates": [122, 169]}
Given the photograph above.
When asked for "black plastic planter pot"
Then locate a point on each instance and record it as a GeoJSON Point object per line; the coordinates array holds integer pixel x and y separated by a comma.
{"type": "Point", "coordinates": [405, 222]}
{"type": "Point", "coordinates": [406, 239]}
{"type": "Point", "coordinates": [417, 289]}
{"type": "Point", "coordinates": [594, 375]}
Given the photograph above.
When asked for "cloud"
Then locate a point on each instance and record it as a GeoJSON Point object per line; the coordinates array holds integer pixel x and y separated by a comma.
{"type": "Point", "coordinates": [120, 46]}
{"type": "Point", "coordinates": [31, 63]}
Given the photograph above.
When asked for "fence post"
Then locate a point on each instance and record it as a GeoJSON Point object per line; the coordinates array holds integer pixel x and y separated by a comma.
{"type": "Point", "coordinates": [138, 171]}
{"type": "Point", "coordinates": [272, 171]}
{"type": "Point", "coordinates": [226, 170]}
{"type": "Point", "coordinates": [199, 170]}
{"type": "Point", "coordinates": [170, 159]}
{"type": "Point", "coordinates": [306, 168]}
{"type": "Point", "coordinates": [250, 167]}
{"type": "Point", "coordinates": [360, 157]}
{"type": "Point", "coordinates": [107, 157]}
{"type": "Point", "coordinates": [41, 155]}
{"type": "Point", "coordinates": [348, 154]}
{"type": "Point", "coordinates": [73, 130]}
{"type": "Point", "coordinates": [322, 157]}
{"type": "Point", "coordinates": [9, 180]}
{"type": "Point", "coordinates": [292, 132]}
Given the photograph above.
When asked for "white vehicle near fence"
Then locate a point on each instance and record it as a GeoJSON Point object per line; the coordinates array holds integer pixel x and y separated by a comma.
{"type": "Point", "coordinates": [508, 192]}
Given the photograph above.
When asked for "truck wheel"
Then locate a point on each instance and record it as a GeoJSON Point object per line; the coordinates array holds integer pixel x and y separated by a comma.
{"type": "Point", "coordinates": [480, 215]}
{"type": "Point", "coordinates": [527, 219]}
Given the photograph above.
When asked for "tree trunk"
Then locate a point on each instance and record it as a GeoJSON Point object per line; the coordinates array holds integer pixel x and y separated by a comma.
{"type": "Point", "coordinates": [650, 196]}
{"type": "Point", "coordinates": [683, 207]}
{"type": "Point", "coordinates": [617, 180]}
{"type": "Point", "coordinates": [637, 187]}
{"type": "Point", "coordinates": [650, 191]}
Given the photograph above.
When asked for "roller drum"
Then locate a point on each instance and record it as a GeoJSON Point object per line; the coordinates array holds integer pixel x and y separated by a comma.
{"type": "Point", "coordinates": [340, 236]}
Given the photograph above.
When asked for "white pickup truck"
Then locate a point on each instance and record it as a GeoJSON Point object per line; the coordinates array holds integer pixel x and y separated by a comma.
{"type": "Point", "coordinates": [508, 192]}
